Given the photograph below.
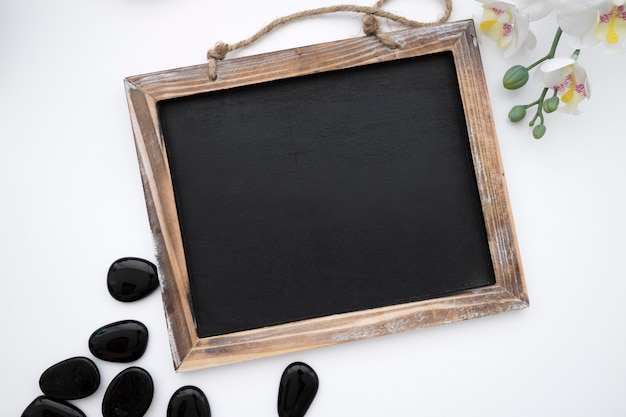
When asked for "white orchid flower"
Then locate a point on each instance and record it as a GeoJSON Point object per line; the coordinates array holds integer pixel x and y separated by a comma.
{"type": "Point", "coordinates": [568, 79]}
{"type": "Point", "coordinates": [588, 22]}
{"type": "Point", "coordinates": [508, 22]}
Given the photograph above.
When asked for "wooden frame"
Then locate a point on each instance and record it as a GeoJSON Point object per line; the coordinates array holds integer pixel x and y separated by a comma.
{"type": "Point", "coordinates": [190, 351]}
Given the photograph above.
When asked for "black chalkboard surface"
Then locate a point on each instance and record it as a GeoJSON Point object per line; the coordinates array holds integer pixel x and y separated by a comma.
{"type": "Point", "coordinates": [328, 193]}
{"type": "Point", "coordinates": [325, 194]}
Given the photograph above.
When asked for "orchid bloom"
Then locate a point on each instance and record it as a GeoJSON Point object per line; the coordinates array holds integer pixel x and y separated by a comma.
{"type": "Point", "coordinates": [568, 79]}
{"type": "Point", "coordinates": [591, 21]}
{"type": "Point", "coordinates": [508, 22]}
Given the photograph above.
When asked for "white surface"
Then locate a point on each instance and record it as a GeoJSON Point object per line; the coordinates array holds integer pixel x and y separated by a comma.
{"type": "Point", "coordinates": [72, 203]}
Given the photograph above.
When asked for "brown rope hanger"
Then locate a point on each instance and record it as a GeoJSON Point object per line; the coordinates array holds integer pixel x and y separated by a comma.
{"type": "Point", "coordinates": [371, 27]}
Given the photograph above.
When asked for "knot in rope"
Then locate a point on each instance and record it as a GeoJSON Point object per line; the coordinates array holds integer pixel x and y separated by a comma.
{"type": "Point", "coordinates": [370, 25]}
{"type": "Point", "coordinates": [218, 53]}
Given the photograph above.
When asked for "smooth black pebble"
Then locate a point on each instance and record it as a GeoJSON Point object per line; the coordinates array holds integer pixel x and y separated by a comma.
{"type": "Point", "coordinates": [43, 406]}
{"type": "Point", "coordinates": [131, 279]}
{"type": "Point", "coordinates": [188, 401]}
{"type": "Point", "coordinates": [129, 394]}
{"type": "Point", "coordinates": [71, 379]}
{"type": "Point", "coordinates": [122, 341]}
{"type": "Point", "coordinates": [297, 389]}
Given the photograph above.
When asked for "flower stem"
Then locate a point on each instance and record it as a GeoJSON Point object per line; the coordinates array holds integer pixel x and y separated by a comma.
{"type": "Point", "coordinates": [539, 104]}
{"type": "Point", "coordinates": [552, 52]}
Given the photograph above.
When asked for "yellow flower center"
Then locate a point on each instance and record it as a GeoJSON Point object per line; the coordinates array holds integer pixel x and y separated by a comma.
{"type": "Point", "coordinates": [497, 24]}
{"type": "Point", "coordinates": [487, 24]}
{"type": "Point", "coordinates": [612, 36]}
{"type": "Point", "coordinates": [612, 25]}
{"type": "Point", "coordinates": [569, 94]}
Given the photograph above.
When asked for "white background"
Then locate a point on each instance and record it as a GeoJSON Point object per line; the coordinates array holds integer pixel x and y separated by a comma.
{"type": "Point", "coordinates": [72, 203]}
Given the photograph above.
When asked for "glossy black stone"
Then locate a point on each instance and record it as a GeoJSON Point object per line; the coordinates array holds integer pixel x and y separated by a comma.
{"type": "Point", "coordinates": [188, 401]}
{"type": "Point", "coordinates": [43, 406]}
{"type": "Point", "coordinates": [131, 279]}
{"type": "Point", "coordinates": [297, 389]}
{"type": "Point", "coordinates": [71, 379]}
{"type": "Point", "coordinates": [129, 394]}
{"type": "Point", "coordinates": [122, 341]}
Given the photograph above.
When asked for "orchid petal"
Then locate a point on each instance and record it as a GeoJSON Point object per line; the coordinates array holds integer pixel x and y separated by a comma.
{"type": "Point", "coordinates": [531, 41]}
{"type": "Point", "coordinates": [572, 106]}
{"type": "Point", "coordinates": [522, 30]}
{"type": "Point", "coordinates": [585, 41]}
{"type": "Point", "coordinates": [536, 9]}
{"type": "Point", "coordinates": [580, 74]}
{"type": "Point", "coordinates": [577, 21]}
{"type": "Point", "coordinates": [557, 63]}
{"type": "Point", "coordinates": [580, 5]}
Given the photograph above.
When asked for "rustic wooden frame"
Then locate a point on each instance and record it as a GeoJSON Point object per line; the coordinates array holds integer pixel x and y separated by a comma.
{"type": "Point", "coordinates": [191, 352]}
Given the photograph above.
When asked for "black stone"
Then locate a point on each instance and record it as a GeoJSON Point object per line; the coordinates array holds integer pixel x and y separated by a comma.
{"type": "Point", "coordinates": [71, 379]}
{"type": "Point", "coordinates": [43, 406]}
{"type": "Point", "coordinates": [129, 394]}
{"type": "Point", "coordinates": [122, 341]}
{"type": "Point", "coordinates": [131, 279]}
{"type": "Point", "coordinates": [188, 401]}
{"type": "Point", "coordinates": [297, 389]}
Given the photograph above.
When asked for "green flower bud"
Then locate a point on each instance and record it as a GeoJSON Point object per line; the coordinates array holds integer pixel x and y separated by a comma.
{"type": "Point", "coordinates": [551, 104]}
{"type": "Point", "coordinates": [539, 131]}
{"type": "Point", "coordinates": [515, 77]}
{"type": "Point", "coordinates": [517, 113]}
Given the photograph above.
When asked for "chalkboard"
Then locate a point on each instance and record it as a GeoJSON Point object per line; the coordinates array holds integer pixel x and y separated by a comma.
{"type": "Point", "coordinates": [325, 194]}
